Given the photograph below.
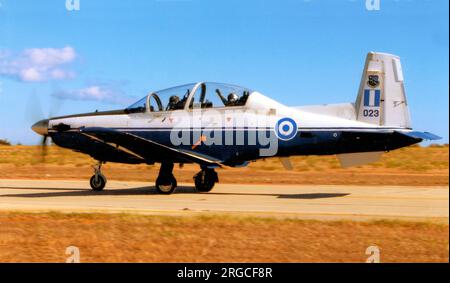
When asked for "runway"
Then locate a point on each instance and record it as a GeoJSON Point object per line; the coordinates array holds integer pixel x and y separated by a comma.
{"type": "Point", "coordinates": [328, 202]}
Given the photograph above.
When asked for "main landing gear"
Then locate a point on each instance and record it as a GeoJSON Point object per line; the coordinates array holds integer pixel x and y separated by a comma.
{"type": "Point", "coordinates": [98, 180]}
{"type": "Point", "coordinates": [205, 179]}
{"type": "Point", "coordinates": [166, 182]}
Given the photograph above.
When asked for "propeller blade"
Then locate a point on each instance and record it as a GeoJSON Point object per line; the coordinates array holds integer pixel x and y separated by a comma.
{"type": "Point", "coordinates": [44, 149]}
{"type": "Point", "coordinates": [33, 109]}
{"type": "Point", "coordinates": [35, 114]}
{"type": "Point", "coordinates": [55, 106]}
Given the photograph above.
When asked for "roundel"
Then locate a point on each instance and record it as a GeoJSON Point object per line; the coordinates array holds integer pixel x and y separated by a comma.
{"type": "Point", "coordinates": [286, 129]}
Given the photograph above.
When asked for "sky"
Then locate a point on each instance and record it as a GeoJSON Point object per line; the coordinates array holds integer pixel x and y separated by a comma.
{"type": "Point", "coordinates": [59, 58]}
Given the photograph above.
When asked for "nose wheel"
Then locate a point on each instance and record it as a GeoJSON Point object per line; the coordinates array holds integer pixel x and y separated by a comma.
{"type": "Point", "coordinates": [166, 182]}
{"type": "Point", "coordinates": [98, 180]}
{"type": "Point", "coordinates": [205, 180]}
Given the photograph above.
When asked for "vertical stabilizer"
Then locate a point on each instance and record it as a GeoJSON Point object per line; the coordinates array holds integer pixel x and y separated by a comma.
{"type": "Point", "coordinates": [381, 98]}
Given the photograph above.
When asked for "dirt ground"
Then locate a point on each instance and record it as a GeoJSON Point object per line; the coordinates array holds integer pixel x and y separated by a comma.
{"type": "Point", "coordinates": [139, 238]}
{"type": "Point", "coordinates": [427, 166]}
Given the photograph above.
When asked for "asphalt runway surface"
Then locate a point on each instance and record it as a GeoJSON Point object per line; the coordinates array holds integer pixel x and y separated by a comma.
{"type": "Point", "coordinates": [327, 202]}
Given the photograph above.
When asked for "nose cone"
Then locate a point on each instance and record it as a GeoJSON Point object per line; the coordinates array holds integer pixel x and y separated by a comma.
{"type": "Point", "coordinates": [41, 127]}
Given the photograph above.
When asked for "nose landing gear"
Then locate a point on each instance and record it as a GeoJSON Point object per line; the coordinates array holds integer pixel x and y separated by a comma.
{"type": "Point", "coordinates": [166, 182]}
{"type": "Point", "coordinates": [98, 180]}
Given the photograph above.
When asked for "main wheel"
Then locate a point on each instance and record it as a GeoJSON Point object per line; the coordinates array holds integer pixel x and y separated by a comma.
{"type": "Point", "coordinates": [205, 180]}
{"type": "Point", "coordinates": [166, 185]}
{"type": "Point", "coordinates": [98, 182]}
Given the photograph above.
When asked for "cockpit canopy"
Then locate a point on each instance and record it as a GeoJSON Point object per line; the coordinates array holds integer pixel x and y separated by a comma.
{"type": "Point", "coordinates": [192, 96]}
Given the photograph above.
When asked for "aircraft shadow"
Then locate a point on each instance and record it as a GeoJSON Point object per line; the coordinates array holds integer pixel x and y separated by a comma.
{"type": "Point", "coordinates": [68, 192]}
{"type": "Point", "coordinates": [43, 189]}
{"type": "Point", "coordinates": [289, 196]}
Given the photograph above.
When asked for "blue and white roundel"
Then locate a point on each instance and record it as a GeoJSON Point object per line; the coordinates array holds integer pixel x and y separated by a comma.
{"type": "Point", "coordinates": [286, 129]}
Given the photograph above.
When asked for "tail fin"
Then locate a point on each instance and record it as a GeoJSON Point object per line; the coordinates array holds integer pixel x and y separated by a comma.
{"type": "Point", "coordinates": [381, 98]}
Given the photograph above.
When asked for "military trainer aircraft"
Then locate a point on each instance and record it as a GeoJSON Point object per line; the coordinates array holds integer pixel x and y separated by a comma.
{"type": "Point", "coordinates": [217, 125]}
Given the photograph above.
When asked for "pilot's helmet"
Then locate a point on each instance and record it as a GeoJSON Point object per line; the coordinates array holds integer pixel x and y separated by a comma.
{"type": "Point", "coordinates": [174, 99]}
{"type": "Point", "coordinates": [232, 97]}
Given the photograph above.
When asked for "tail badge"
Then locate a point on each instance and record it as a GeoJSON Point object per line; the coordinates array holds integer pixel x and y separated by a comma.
{"type": "Point", "coordinates": [373, 81]}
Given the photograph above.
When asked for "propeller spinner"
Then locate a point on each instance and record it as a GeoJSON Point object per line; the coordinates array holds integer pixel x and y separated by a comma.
{"type": "Point", "coordinates": [41, 127]}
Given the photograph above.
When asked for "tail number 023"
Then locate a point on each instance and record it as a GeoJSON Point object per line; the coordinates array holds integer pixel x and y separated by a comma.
{"type": "Point", "coordinates": [371, 113]}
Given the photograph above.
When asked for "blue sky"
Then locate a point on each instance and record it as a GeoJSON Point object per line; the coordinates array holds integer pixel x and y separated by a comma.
{"type": "Point", "coordinates": [299, 52]}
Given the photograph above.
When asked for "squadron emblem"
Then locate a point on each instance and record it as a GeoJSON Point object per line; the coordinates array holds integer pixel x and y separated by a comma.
{"type": "Point", "coordinates": [373, 81]}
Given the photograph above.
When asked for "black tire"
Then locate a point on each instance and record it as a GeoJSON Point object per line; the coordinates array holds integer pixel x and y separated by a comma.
{"type": "Point", "coordinates": [166, 185]}
{"type": "Point", "coordinates": [205, 180]}
{"type": "Point", "coordinates": [98, 182]}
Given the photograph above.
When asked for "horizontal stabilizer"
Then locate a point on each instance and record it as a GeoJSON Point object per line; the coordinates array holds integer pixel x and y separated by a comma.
{"type": "Point", "coordinates": [421, 135]}
{"type": "Point", "coordinates": [360, 158]}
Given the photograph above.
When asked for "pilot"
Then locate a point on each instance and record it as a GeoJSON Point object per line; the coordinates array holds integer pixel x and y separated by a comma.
{"type": "Point", "coordinates": [232, 98]}
{"type": "Point", "coordinates": [173, 102]}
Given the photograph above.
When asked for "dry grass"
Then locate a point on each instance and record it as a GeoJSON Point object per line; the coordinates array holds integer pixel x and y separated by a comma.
{"type": "Point", "coordinates": [413, 159]}
{"type": "Point", "coordinates": [407, 166]}
{"type": "Point", "coordinates": [138, 238]}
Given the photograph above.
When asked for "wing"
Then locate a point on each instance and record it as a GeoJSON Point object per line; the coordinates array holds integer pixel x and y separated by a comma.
{"type": "Point", "coordinates": [147, 149]}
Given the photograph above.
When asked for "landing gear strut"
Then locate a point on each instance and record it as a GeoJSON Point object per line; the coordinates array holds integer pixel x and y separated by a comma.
{"type": "Point", "coordinates": [98, 180]}
{"type": "Point", "coordinates": [166, 182]}
{"type": "Point", "coordinates": [205, 179]}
